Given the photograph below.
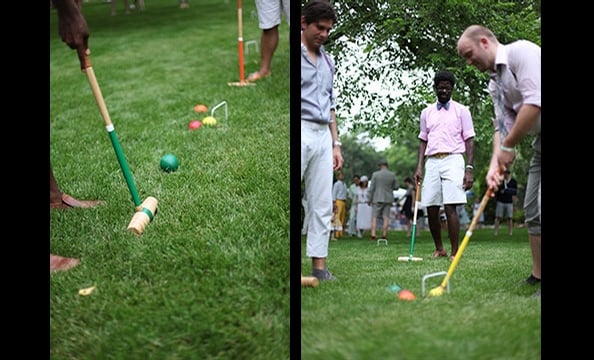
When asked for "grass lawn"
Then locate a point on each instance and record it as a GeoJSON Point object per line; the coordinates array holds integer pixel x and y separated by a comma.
{"type": "Point", "coordinates": [488, 313]}
{"type": "Point", "coordinates": [209, 277]}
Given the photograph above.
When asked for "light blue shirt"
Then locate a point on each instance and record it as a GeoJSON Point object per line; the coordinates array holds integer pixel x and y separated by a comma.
{"type": "Point", "coordinates": [317, 81]}
{"type": "Point", "coordinates": [339, 190]}
{"type": "Point", "coordinates": [520, 69]}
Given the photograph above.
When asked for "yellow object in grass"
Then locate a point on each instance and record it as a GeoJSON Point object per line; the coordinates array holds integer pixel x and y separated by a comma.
{"type": "Point", "coordinates": [209, 120]}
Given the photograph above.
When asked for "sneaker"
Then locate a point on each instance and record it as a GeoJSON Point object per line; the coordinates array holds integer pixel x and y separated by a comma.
{"type": "Point", "coordinates": [532, 280]}
{"type": "Point", "coordinates": [536, 294]}
{"type": "Point", "coordinates": [323, 274]}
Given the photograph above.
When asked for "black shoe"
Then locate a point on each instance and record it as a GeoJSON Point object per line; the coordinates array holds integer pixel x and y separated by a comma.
{"type": "Point", "coordinates": [532, 280]}
{"type": "Point", "coordinates": [323, 275]}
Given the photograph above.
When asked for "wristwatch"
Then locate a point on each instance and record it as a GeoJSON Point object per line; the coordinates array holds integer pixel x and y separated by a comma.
{"type": "Point", "coordinates": [337, 143]}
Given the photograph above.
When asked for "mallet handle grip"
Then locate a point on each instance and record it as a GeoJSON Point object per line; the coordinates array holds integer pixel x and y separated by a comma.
{"type": "Point", "coordinates": [97, 92]}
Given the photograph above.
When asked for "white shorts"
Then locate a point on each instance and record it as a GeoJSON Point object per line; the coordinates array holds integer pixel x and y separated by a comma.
{"type": "Point", "coordinates": [270, 12]}
{"type": "Point", "coordinates": [443, 182]}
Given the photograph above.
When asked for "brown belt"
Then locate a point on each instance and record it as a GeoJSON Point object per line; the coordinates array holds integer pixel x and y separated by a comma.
{"type": "Point", "coordinates": [439, 155]}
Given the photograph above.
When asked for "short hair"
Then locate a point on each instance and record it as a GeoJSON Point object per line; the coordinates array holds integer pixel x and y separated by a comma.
{"type": "Point", "coordinates": [444, 75]}
{"type": "Point", "coordinates": [316, 10]}
{"type": "Point", "coordinates": [475, 32]}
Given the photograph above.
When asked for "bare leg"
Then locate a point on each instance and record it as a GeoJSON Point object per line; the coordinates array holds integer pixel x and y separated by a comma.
{"type": "Point", "coordinates": [64, 201]}
{"type": "Point", "coordinates": [268, 44]}
{"type": "Point", "coordinates": [510, 225]}
{"type": "Point", "coordinates": [318, 263]}
{"type": "Point", "coordinates": [408, 227]}
{"type": "Point", "coordinates": [55, 193]}
{"type": "Point", "coordinates": [435, 227]}
{"type": "Point", "coordinates": [535, 249]}
{"type": "Point", "coordinates": [453, 227]}
{"type": "Point", "coordinates": [373, 227]}
{"type": "Point", "coordinates": [497, 220]}
{"type": "Point", "coordinates": [126, 7]}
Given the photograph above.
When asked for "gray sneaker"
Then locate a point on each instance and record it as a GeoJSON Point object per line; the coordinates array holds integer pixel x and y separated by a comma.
{"type": "Point", "coordinates": [536, 294]}
{"type": "Point", "coordinates": [323, 275]}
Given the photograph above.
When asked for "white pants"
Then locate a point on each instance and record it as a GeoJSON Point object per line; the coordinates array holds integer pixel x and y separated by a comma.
{"type": "Point", "coordinates": [316, 171]}
{"type": "Point", "coordinates": [270, 12]}
{"type": "Point", "coordinates": [443, 182]}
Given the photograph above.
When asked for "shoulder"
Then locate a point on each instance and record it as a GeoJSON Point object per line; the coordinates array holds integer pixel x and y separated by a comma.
{"type": "Point", "coordinates": [522, 44]}
{"type": "Point", "coordinates": [427, 108]}
{"type": "Point", "coordinates": [460, 105]}
{"type": "Point", "coordinates": [521, 51]}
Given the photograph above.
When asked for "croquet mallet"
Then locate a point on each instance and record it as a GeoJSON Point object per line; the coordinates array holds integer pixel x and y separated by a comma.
{"type": "Point", "coordinates": [242, 81]}
{"type": "Point", "coordinates": [309, 281]}
{"type": "Point", "coordinates": [146, 210]}
{"type": "Point", "coordinates": [410, 256]}
{"type": "Point", "coordinates": [438, 291]}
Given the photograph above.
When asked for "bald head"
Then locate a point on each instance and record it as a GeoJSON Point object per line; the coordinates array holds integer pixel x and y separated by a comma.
{"type": "Point", "coordinates": [478, 46]}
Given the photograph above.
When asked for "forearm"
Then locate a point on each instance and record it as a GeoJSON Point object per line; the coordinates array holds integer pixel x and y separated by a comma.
{"type": "Point", "coordinates": [525, 121]}
{"type": "Point", "coordinates": [333, 126]}
{"type": "Point", "coordinates": [470, 151]}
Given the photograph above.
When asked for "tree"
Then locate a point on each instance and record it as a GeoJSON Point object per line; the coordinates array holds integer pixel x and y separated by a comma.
{"type": "Point", "coordinates": [388, 50]}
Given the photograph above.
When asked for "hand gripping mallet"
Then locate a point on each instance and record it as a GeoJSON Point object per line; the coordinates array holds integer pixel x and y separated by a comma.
{"type": "Point", "coordinates": [146, 210]}
{"type": "Point", "coordinates": [438, 291]}
{"type": "Point", "coordinates": [410, 256]}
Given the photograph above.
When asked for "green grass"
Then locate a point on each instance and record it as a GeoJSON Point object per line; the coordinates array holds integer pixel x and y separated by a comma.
{"type": "Point", "coordinates": [209, 277]}
{"type": "Point", "coordinates": [488, 313]}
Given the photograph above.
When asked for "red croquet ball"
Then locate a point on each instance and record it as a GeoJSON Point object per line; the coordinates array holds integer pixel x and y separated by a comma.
{"type": "Point", "coordinates": [406, 295]}
{"type": "Point", "coordinates": [194, 124]}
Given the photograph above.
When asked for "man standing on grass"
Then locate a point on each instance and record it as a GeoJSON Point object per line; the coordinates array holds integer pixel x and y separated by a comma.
{"type": "Point", "coordinates": [504, 207]}
{"type": "Point", "coordinates": [446, 136]}
{"type": "Point", "coordinates": [515, 71]}
{"type": "Point", "coordinates": [320, 149]}
{"type": "Point", "coordinates": [339, 196]}
{"type": "Point", "coordinates": [381, 197]}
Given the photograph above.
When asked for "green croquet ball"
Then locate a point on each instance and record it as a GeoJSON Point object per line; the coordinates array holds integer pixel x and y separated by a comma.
{"type": "Point", "coordinates": [394, 288]}
{"type": "Point", "coordinates": [169, 163]}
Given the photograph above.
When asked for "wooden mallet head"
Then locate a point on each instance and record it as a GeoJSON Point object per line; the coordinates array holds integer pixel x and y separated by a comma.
{"type": "Point", "coordinates": [309, 281]}
{"type": "Point", "coordinates": [144, 215]}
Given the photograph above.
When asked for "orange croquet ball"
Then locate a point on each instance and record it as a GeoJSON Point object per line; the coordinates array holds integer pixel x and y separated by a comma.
{"type": "Point", "coordinates": [200, 108]}
{"type": "Point", "coordinates": [406, 295]}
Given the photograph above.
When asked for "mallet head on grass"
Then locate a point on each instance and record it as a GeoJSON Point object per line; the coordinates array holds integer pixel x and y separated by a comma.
{"type": "Point", "coordinates": [438, 291]}
{"type": "Point", "coordinates": [309, 281]}
{"type": "Point", "coordinates": [144, 215]}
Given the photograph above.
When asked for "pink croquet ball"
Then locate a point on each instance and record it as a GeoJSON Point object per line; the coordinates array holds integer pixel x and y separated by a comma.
{"type": "Point", "coordinates": [194, 124]}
